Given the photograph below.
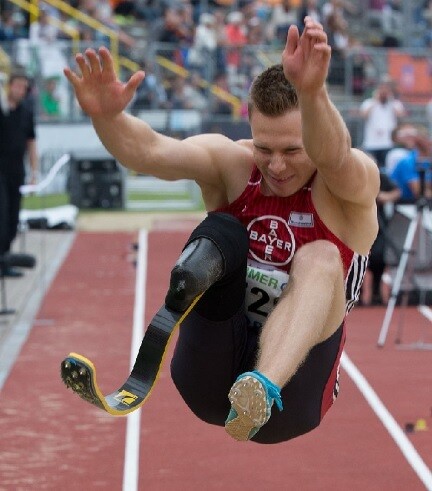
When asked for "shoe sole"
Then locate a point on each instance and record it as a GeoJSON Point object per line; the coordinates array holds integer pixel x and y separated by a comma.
{"type": "Point", "coordinates": [248, 399]}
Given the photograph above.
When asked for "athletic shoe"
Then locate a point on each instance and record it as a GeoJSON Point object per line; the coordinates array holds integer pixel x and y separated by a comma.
{"type": "Point", "coordinates": [252, 397]}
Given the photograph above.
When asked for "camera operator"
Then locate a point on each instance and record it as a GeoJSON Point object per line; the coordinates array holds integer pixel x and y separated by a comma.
{"type": "Point", "coordinates": [413, 173]}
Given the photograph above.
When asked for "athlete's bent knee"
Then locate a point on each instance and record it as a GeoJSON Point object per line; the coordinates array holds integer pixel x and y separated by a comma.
{"type": "Point", "coordinates": [320, 255]}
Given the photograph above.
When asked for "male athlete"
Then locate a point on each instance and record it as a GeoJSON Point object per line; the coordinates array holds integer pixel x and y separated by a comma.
{"type": "Point", "coordinates": [291, 214]}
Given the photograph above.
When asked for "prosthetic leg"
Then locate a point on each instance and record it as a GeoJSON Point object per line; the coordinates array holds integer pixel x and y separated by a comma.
{"type": "Point", "coordinates": [211, 252]}
{"type": "Point", "coordinates": [199, 266]}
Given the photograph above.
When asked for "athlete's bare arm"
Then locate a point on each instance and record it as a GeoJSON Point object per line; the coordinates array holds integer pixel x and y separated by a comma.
{"type": "Point", "coordinates": [203, 158]}
{"type": "Point", "coordinates": [349, 174]}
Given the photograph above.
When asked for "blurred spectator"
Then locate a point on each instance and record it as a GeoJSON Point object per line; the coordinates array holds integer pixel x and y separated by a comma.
{"type": "Point", "coordinates": [374, 292]}
{"type": "Point", "coordinates": [426, 16]}
{"type": "Point", "coordinates": [151, 93]}
{"type": "Point", "coordinates": [217, 105]}
{"type": "Point", "coordinates": [262, 9]}
{"type": "Point", "coordinates": [10, 29]}
{"type": "Point", "coordinates": [169, 27]}
{"type": "Point", "coordinates": [42, 30]}
{"type": "Point", "coordinates": [343, 43]}
{"type": "Point", "coordinates": [101, 11]}
{"type": "Point", "coordinates": [49, 100]}
{"type": "Point", "coordinates": [381, 114]}
{"type": "Point", "coordinates": [309, 8]}
{"type": "Point", "coordinates": [283, 16]}
{"type": "Point", "coordinates": [177, 96]}
{"type": "Point", "coordinates": [413, 174]}
{"type": "Point", "coordinates": [49, 57]}
{"type": "Point", "coordinates": [339, 7]}
{"type": "Point", "coordinates": [18, 138]}
{"type": "Point", "coordinates": [403, 137]}
{"type": "Point", "coordinates": [236, 38]}
{"type": "Point", "coordinates": [248, 9]}
{"type": "Point", "coordinates": [428, 113]}
{"type": "Point", "coordinates": [387, 14]}
{"type": "Point", "coordinates": [249, 68]}
{"type": "Point", "coordinates": [337, 32]}
{"type": "Point", "coordinates": [136, 9]}
{"type": "Point", "coordinates": [202, 53]}
{"type": "Point", "coordinates": [187, 21]}
{"type": "Point", "coordinates": [255, 32]}
{"type": "Point", "coordinates": [222, 40]}
{"type": "Point", "coordinates": [194, 94]}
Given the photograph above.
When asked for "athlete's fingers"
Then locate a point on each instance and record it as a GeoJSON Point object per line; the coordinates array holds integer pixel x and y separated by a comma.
{"type": "Point", "coordinates": [309, 23]}
{"type": "Point", "coordinates": [315, 37]}
{"type": "Point", "coordinates": [323, 48]}
{"type": "Point", "coordinates": [314, 33]}
{"type": "Point", "coordinates": [317, 34]}
{"type": "Point", "coordinates": [292, 40]}
{"type": "Point", "coordinates": [133, 83]}
{"type": "Point", "coordinates": [93, 59]}
{"type": "Point", "coordinates": [107, 62]}
{"type": "Point", "coordinates": [81, 62]}
{"type": "Point", "coordinates": [71, 76]}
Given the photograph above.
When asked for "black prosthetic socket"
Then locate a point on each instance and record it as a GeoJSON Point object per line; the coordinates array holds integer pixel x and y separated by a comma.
{"type": "Point", "coordinates": [198, 267]}
{"type": "Point", "coordinates": [213, 259]}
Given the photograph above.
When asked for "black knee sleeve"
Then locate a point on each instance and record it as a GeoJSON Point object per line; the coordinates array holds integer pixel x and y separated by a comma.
{"type": "Point", "coordinates": [213, 258]}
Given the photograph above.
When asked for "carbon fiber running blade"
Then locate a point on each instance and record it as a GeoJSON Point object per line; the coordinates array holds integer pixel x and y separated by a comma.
{"type": "Point", "coordinates": [79, 373]}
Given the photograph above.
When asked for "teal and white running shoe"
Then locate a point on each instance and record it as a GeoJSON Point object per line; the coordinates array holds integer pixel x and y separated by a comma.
{"type": "Point", "coordinates": [252, 397]}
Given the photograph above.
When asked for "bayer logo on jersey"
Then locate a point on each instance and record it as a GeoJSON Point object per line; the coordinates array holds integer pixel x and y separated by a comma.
{"type": "Point", "coordinates": [271, 240]}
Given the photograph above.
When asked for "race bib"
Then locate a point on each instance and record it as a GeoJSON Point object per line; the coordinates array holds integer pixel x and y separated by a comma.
{"type": "Point", "coordinates": [263, 289]}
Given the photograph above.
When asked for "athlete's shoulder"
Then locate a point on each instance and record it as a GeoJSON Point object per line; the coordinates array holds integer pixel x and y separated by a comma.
{"type": "Point", "coordinates": [223, 144]}
{"type": "Point", "coordinates": [246, 144]}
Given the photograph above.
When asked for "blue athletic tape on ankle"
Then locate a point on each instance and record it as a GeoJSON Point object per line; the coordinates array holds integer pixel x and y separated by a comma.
{"type": "Point", "coordinates": [272, 389]}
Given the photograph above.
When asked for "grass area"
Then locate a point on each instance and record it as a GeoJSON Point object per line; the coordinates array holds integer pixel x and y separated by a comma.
{"type": "Point", "coordinates": [45, 201]}
{"type": "Point", "coordinates": [41, 202]}
{"type": "Point", "coordinates": [157, 196]}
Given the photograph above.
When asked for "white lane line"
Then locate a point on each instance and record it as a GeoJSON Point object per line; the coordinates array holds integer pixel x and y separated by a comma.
{"type": "Point", "coordinates": [395, 431]}
{"type": "Point", "coordinates": [426, 311]}
{"type": "Point", "coordinates": [131, 463]}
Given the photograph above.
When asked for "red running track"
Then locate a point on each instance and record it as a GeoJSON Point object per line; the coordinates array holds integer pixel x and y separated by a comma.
{"type": "Point", "coordinates": [51, 440]}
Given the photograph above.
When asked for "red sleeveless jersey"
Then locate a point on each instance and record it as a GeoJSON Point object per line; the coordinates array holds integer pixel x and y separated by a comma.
{"type": "Point", "coordinates": [279, 226]}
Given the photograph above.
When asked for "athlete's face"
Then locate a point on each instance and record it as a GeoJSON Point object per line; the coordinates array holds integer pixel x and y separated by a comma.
{"type": "Point", "coordinates": [279, 153]}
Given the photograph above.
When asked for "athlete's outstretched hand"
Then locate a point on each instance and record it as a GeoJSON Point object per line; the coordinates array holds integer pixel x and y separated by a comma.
{"type": "Point", "coordinates": [306, 58]}
{"type": "Point", "coordinates": [97, 88]}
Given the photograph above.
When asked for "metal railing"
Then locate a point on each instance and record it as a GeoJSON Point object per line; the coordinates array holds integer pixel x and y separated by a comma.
{"type": "Point", "coordinates": [351, 79]}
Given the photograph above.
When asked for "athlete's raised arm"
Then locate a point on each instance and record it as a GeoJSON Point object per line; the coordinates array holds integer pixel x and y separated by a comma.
{"type": "Point", "coordinates": [349, 173]}
{"type": "Point", "coordinates": [104, 98]}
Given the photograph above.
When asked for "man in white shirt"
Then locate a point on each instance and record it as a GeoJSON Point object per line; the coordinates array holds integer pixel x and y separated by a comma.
{"type": "Point", "coordinates": [381, 114]}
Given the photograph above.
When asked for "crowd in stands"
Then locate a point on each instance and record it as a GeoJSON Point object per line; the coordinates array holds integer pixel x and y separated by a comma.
{"type": "Point", "coordinates": [217, 41]}
{"type": "Point", "coordinates": [213, 39]}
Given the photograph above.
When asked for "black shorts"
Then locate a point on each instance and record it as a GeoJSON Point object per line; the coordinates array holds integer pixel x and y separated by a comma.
{"type": "Point", "coordinates": [215, 345]}
{"type": "Point", "coordinates": [209, 356]}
